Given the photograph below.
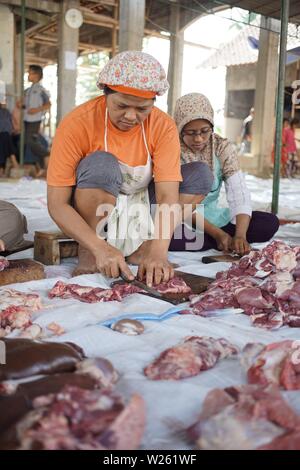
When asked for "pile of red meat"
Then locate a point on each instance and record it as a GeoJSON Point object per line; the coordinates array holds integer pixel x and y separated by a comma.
{"type": "Point", "coordinates": [4, 263]}
{"type": "Point", "coordinates": [246, 417]}
{"type": "Point", "coordinates": [276, 363]}
{"type": "Point", "coordinates": [16, 309]}
{"type": "Point", "coordinates": [78, 419]}
{"type": "Point", "coordinates": [264, 284]}
{"type": "Point", "coordinates": [74, 406]}
{"type": "Point", "coordinates": [117, 292]}
{"type": "Point", "coordinates": [187, 359]}
{"type": "Point", "coordinates": [92, 294]}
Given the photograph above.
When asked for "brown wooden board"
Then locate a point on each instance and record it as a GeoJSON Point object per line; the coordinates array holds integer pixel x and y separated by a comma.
{"type": "Point", "coordinates": [21, 270]}
{"type": "Point", "coordinates": [221, 258]}
{"type": "Point", "coordinates": [198, 284]}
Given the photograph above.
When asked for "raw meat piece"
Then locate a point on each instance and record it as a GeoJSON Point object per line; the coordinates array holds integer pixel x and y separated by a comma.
{"type": "Point", "coordinates": [219, 295]}
{"type": "Point", "coordinates": [189, 358]}
{"type": "Point", "coordinates": [289, 441]}
{"type": "Point", "coordinates": [275, 257]}
{"type": "Point", "coordinates": [176, 285]}
{"type": "Point", "coordinates": [276, 363]}
{"type": "Point", "coordinates": [16, 310]}
{"type": "Point", "coordinates": [25, 357]}
{"type": "Point", "coordinates": [268, 319]}
{"type": "Point", "coordinates": [270, 302]}
{"type": "Point", "coordinates": [90, 374]}
{"type": "Point", "coordinates": [99, 369]}
{"type": "Point", "coordinates": [117, 292]}
{"type": "Point", "coordinates": [92, 294]}
{"type": "Point", "coordinates": [77, 419]}
{"type": "Point", "coordinates": [4, 263]}
{"type": "Point", "coordinates": [245, 417]}
{"type": "Point", "coordinates": [31, 332]}
{"type": "Point", "coordinates": [55, 328]}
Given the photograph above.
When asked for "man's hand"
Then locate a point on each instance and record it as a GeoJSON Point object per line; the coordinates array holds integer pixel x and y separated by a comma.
{"type": "Point", "coordinates": [2, 245]}
{"type": "Point", "coordinates": [155, 267]}
{"type": "Point", "coordinates": [224, 241]}
{"type": "Point", "coordinates": [240, 245]}
{"type": "Point", "coordinates": [111, 262]}
{"type": "Point", "coordinates": [33, 110]}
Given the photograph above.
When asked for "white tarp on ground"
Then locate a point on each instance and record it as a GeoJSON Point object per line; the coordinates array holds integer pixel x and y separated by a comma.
{"type": "Point", "coordinates": [171, 406]}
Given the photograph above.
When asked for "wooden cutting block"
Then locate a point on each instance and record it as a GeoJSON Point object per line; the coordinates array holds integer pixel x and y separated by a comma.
{"type": "Point", "coordinates": [221, 258]}
{"type": "Point", "coordinates": [21, 270]}
{"type": "Point", "coordinates": [51, 247]}
{"type": "Point", "coordinates": [198, 284]}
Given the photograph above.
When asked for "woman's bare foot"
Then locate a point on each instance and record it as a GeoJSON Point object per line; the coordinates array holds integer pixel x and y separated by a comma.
{"type": "Point", "coordinates": [86, 263]}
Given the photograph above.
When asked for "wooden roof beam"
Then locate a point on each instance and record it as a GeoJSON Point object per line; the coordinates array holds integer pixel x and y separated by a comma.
{"type": "Point", "coordinates": [33, 15]}
{"type": "Point", "coordinates": [41, 5]}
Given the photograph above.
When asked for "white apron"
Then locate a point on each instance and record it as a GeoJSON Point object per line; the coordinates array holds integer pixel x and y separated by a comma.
{"type": "Point", "coordinates": [130, 222]}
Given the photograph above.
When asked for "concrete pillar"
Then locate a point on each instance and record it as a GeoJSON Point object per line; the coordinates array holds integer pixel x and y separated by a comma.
{"type": "Point", "coordinates": [68, 39]}
{"type": "Point", "coordinates": [7, 31]}
{"type": "Point", "coordinates": [265, 95]}
{"type": "Point", "coordinates": [132, 23]}
{"type": "Point", "coordinates": [175, 58]}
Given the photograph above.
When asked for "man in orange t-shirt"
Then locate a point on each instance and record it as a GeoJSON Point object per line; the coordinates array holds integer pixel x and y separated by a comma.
{"type": "Point", "coordinates": [107, 152]}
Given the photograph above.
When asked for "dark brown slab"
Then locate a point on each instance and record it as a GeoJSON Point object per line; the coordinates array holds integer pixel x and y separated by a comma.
{"type": "Point", "coordinates": [21, 270]}
{"type": "Point", "coordinates": [220, 258]}
{"type": "Point", "coordinates": [25, 246]}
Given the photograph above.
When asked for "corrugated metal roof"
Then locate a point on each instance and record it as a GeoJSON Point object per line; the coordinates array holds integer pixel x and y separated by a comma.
{"type": "Point", "coordinates": [239, 51]}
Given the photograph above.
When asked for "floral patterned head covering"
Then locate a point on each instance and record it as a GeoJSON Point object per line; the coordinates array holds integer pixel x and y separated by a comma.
{"type": "Point", "coordinates": [190, 107]}
{"type": "Point", "coordinates": [197, 106]}
{"type": "Point", "coordinates": [135, 73]}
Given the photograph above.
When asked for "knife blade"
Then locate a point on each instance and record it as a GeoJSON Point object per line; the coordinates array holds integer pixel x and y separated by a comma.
{"type": "Point", "coordinates": [143, 286]}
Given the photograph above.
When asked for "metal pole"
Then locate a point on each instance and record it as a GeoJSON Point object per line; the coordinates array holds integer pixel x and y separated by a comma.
{"type": "Point", "coordinates": [280, 102]}
{"type": "Point", "coordinates": [22, 56]}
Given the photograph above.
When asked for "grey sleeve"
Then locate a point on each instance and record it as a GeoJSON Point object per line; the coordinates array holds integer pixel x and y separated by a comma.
{"type": "Point", "coordinates": [45, 97]}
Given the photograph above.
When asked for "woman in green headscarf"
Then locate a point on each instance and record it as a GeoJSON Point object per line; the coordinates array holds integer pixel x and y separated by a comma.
{"type": "Point", "coordinates": [234, 227]}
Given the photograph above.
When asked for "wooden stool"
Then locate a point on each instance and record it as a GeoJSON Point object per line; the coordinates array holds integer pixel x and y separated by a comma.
{"type": "Point", "coordinates": [51, 247]}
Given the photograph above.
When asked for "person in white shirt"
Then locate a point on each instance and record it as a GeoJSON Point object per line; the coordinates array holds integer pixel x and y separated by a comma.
{"type": "Point", "coordinates": [36, 103]}
{"type": "Point", "coordinates": [230, 228]}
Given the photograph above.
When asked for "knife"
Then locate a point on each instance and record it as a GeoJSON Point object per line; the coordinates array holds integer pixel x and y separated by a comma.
{"type": "Point", "coordinates": [143, 286]}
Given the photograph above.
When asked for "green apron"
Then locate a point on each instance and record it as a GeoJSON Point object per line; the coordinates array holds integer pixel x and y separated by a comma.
{"type": "Point", "coordinates": [218, 216]}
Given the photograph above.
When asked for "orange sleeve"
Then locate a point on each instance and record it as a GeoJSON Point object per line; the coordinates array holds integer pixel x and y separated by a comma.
{"type": "Point", "coordinates": [68, 148]}
{"type": "Point", "coordinates": [166, 153]}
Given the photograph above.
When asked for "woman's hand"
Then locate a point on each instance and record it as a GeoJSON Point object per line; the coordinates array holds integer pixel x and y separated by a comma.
{"type": "Point", "coordinates": [111, 262]}
{"type": "Point", "coordinates": [155, 267]}
{"type": "Point", "coordinates": [240, 245]}
{"type": "Point", "coordinates": [223, 240]}
{"type": "Point", "coordinates": [2, 245]}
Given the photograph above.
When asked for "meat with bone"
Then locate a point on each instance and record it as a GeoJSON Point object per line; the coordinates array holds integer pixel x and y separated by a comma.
{"type": "Point", "coordinates": [25, 357]}
{"type": "Point", "coordinates": [4, 263]}
{"type": "Point", "coordinates": [275, 257]}
{"type": "Point", "coordinates": [219, 295]}
{"type": "Point", "coordinates": [189, 358]}
{"type": "Point", "coordinates": [92, 294]}
{"type": "Point", "coordinates": [270, 302]}
{"type": "Point", "coordinates": [245, 417]}
{"type": "Point", "coordinates": [90, 374]}
{"type": "Point", "coordinates": [174, 286]}
{"type": "Point", "coordinates": [16, 309]}
{"type": "Point", "coordinates": [276, 363]}
{"type": "Point", "coordinates": [77, 419]}
{"type": "Point", "coordinates": [117, 292]}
